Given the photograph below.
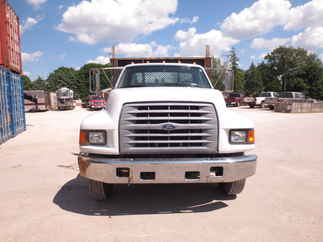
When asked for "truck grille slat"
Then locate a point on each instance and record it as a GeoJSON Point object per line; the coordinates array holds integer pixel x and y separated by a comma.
{"type": "Point", "coordinates": [168, 128]}
{"type": "Point", "coordinates": [132, 126]}
{"type": "Point", "coordinates": [146, 112]}
{"type": "Point", "coordinates": [166, 119]}
{"type": "Point", "coordinates": [168, 141]}
{"type": "Point", "coordinates": [168, 135]}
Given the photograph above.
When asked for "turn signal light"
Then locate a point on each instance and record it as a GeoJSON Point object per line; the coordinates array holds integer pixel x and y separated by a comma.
{"type": "Point", "coordinates": [251, 136]}
{"type": "Point", "coordinates": [242, 136]}
{"type": "Point", "coordinates": [83, 137]}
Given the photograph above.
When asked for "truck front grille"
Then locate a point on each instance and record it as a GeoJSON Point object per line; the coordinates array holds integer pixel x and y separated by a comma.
{"type": "Point", "coordinates": [168, 128]}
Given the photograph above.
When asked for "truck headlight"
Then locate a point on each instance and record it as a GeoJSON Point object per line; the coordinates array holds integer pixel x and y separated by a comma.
{"type": "Point", "coordinates": [97, 137]}
{"type": "Point", "coordinates": [242, 136]}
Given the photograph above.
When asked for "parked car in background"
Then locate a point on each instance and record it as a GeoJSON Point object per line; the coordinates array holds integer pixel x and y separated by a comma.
{"type": "Point", "coordinates": [233, 99]}
{"type": "Point", "coordinates": [96, 103]}
{"type": "Point", "coordinates": [259, 100]}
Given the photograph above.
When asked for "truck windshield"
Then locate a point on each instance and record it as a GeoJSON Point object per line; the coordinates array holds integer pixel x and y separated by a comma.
{"type": "Point", "coordinates": [163, 76]}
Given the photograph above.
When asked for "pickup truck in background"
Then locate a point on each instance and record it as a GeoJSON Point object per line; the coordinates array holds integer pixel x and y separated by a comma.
{"type": "Point", "coordinates": [233, 99]}
{"type": "Point", "coordinates": [165, 123]}
{"type": "Point", "coordinates": [270, 102]}
{"type": "Point", "coordinates": [260, 100]}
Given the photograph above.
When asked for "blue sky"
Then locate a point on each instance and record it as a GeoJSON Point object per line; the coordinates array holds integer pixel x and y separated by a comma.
{"type": "Point", "coordinates": [72, 33]}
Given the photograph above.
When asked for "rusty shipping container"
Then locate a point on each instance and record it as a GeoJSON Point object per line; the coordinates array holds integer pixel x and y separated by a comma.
{"type": "Point", "coordinates": [10, 45]}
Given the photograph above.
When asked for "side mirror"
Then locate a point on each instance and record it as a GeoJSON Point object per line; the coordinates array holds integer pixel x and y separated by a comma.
{"type": "Point", "coordinates": [94, 81]}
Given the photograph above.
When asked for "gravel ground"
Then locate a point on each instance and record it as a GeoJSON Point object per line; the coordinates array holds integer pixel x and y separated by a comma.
{"type": "Point", "coordinates": [42, 199]}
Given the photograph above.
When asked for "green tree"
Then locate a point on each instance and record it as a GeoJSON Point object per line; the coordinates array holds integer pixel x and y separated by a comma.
{"type": "Point", "coordinates": [313, 73]}
{"type": "Point", "coordinates": [269, 78]}
{"type": "Point", "coordinates": [83, 78]}
{"type": "Point", "coordinates": [288, 65]}
{"type": "Point", "coordinates": [293, 69]}
{"type": "Point", "coordinates": [239, 78]}
{"type": "Point", "coordinates": [27, 82]}
{"type": "Point", "coordinates": [38, 84]}
{"type": "Point", "coordinates": [253, 83]}
{"type": "Point", "coordinates": [63, 77]}
{"type": "Point", "coordinates": [238, 74]}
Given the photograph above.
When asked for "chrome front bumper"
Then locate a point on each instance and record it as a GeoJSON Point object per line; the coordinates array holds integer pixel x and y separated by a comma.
{"type": "Point", "coordinates": [168, 170]}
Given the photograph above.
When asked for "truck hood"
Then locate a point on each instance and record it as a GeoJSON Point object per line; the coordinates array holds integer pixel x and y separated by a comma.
{"type": "Point", "coordinates": [109, 118]}
{"type": "Point", "coordinates": [186, 94]}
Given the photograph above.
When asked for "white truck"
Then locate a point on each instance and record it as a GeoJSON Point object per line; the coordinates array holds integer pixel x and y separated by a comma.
{"type": "Point", "coordinates": [65, 98]}
{"type": "Point", "coordinates": [260, 100]}
{"type": "Point", "coordinates": [165, 123]}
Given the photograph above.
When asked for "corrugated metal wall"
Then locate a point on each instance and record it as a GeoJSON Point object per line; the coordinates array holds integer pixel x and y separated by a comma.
{"type": "Point", "coordinates": [10, 50]}
{"type": "Point", "coordinates": [12, 113]}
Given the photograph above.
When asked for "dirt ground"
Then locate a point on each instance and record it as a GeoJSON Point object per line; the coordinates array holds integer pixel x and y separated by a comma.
{"type": "Point", "coordinates": [42, 199]}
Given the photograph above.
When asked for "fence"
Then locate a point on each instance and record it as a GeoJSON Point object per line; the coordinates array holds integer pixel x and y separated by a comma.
{"type": "Point", "coordinates": [299, 107]}
{"type": "Point", "coordinates": [12, 113]}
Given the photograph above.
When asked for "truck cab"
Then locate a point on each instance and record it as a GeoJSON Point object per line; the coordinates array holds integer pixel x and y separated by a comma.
{"type": "Point", "coordinates": [165, 123]}
{"type": "Point", "coordinates": [260, 100]}
{"type": "Point", "coordinates": [65, 99]}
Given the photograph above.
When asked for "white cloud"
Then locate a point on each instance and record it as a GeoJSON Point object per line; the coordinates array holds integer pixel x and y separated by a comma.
{"type": "Point", "coordinates": [193, 43]}
{"type": "Point", "coordinates": [253, 58]}
{"type": "Point", "coordinates": [36, 3]}
{"type": "Point", "coordinates": [307, 15]}
{"type": "Point", "coordinates": [263, 55]}
{"type": "Point", "coordinates": [100, 60]}
{"type": "Point", "coordinates": [311, 39]}
{"type": "Point", "coordinates": [28, 24]}
{"type": "Point", "coordinates": [308, 18]}
{"type": "Point", "coordinates": [151, 49]}
{"type": "Point", "coordinates": [259, 19]}
{"type": "Point", "coordinates": [321, 57]}
{"type": "Point", "coordinates": [193, 20]}
{"type": "Point", "coordinates": [96, 21]}
{"type": "Point", "coordinates": [31, 57]}
{"type": "Point", "coordinates": [260, 43]}
{"type": "Point", "coordinates": [264, 15]}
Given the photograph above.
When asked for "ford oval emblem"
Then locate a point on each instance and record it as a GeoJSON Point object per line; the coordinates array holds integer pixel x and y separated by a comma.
{"type": "Point", "coordinates": [169, 126]}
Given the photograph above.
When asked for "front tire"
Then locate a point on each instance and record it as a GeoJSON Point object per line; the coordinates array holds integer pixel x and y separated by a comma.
{"type": "Point", "coordinates": [233, 188]}
{"type": "Point", "coordinates": [100, 191]}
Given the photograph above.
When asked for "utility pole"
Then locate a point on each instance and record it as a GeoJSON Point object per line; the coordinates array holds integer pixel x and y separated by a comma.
{"type": "Point", "coordinates": [283, 79]}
